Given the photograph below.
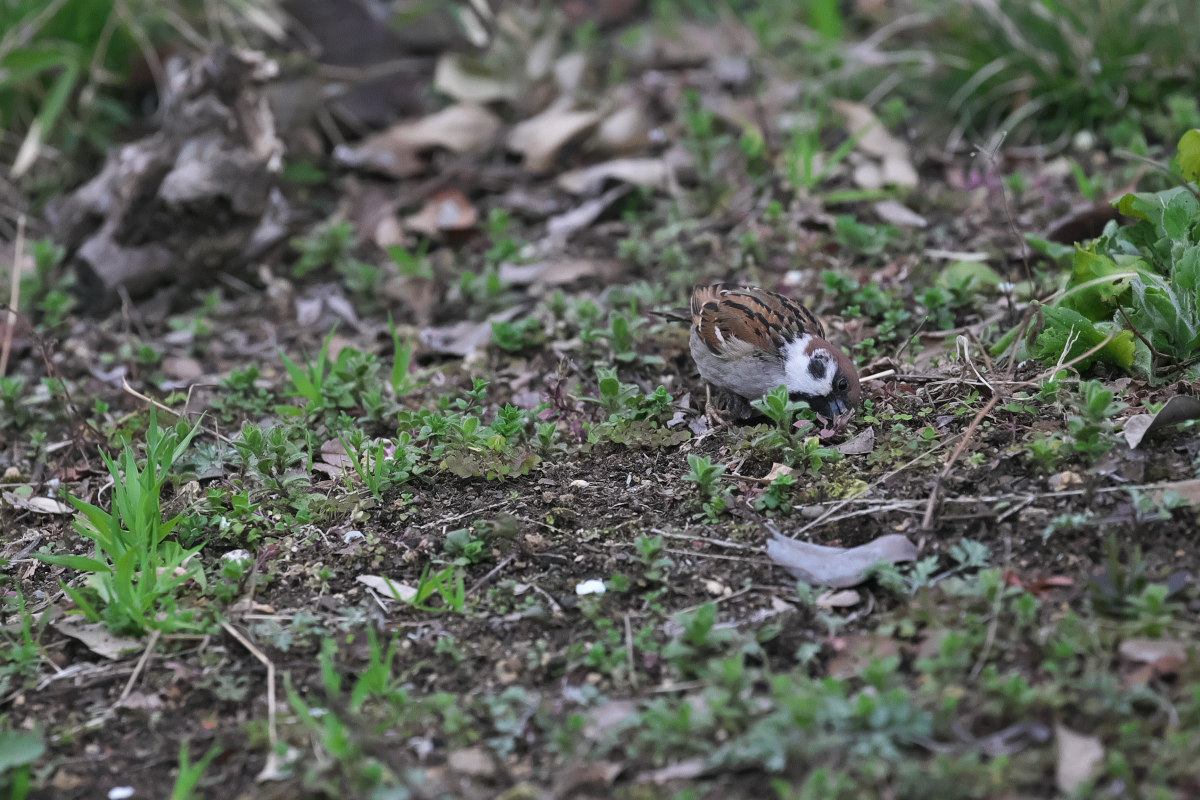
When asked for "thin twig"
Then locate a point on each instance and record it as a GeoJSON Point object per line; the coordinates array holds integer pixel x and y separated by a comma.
{"type": "Point", "coordinates": [714, 542]}
{"type": "Point", "coordinates": [176, 414]}
{"type": "Point", "coordinates": [491, 574]}
{"type": "Point", "coordinates": [272, 728]}
{"type": "Point", "coordinates": [141, 664]}
{"type": "Point", "coordinates": [633, 679]}
{"type": "Point", "coordinates": [931, 504]}
{"type": "Point", "coordinates": [14, 295]}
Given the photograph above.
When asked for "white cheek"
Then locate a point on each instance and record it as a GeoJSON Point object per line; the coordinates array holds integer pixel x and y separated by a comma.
{"type": "Point", "coordinates": [799, 379]}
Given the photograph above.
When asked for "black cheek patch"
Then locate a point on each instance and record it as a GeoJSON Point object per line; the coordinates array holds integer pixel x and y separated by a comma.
{"type": "Point", "coordinates": [816, 368]}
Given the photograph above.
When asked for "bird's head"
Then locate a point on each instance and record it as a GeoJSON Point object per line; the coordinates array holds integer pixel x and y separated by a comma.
{"type": "Point", "coordinates": [822, 376]}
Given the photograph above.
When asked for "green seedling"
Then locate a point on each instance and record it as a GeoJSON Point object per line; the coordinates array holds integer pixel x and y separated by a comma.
{"type": "Point", "coordinates": [189, 775]}
{"type": "Point", "coordinates": [136, 572]}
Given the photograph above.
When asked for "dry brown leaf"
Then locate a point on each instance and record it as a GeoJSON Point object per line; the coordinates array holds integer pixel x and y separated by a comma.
{"type": "Point", "coordinates": [1180, 408]}
{"type": "Point", "coordinates": [559, 272]}
{"type": "Point", "coordinates": [96, 637]}
{"type": "Point", "coordinates": [1167, 655]}
{"type": "Point", "coordinates": [650, 173]}
{"type": "Point", "coordinates": [464, 338]}
{"type": "Point", "coordinates": [182, 368]}
{"type": "Point", "coordinates": [778, 469]}
{"type": "Point", "coordinates": [1079, 757]}
{"type": "Point", "coordinates": [840, 599]}
{"type": "Point", "coordinates": [1187, 491]}
{"type": "Point", "coordinates": [562, 226]}
{"type": "Point", "coordinates": [398, 151]}
{"type": "Point", "coordinates": [896, 213]}
{"type": "Point", "coordinates": [38, 505]}
{"type": "Point", "coordinates": [874, 140]}
{"type": "Point", "coordinates": [623, 132]}
{"type": "Point", "coordinates": [448, 211]}
{"type": "Point", "coordinates": [477, 762]}
{"type": "Point", "coordinates": [857, 651]}
{"type": "Point", "coordinates": [862, 443]}
{"type": "Point", "coordinates": [458, 76]}
{"type": "Point", "coordinates": [387, 588]}
{"type": "Point", "coordinates": [837, 566]}
{"type": "Point", "coordinates": [540, 138]}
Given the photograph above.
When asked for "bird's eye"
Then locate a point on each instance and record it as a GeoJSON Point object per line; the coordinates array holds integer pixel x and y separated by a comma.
{"type": "Point", "coordinates": [842, 384]}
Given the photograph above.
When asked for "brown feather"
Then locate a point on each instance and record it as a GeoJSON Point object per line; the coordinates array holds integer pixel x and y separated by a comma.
{"type": "Point", "coordinates": [766, 320]}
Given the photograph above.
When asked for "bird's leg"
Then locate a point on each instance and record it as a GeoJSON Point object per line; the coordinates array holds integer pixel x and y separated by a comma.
{"type": "Point", "coordinates": [717, 418]}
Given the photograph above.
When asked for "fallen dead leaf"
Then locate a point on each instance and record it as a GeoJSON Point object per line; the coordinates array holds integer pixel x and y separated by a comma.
{"type": "Point", "coordinates": [540, 138]}
{"type": "Point", "coordinates": [448, 211]}
{"type": "Point", "coordinates": [564, 225]}
{"type": "Point", "coordinates": [388, 588]}
{"type": "Point", "coordinates": [476, 762]}
{"type": "Point", "coordinates": [679, 771]}
{"type": "Point", "coordinates": [398, 152]}
{"type": "Point", "coordinates": [38, 505]}
{"type": "Point", "coordinates": [182, 368]}
{"type": "Point", "coordinates": [837, 566]}
{"type": "Point", "coordinates": [862, 443]}
{"type": "Point", "coordinates": [571, 781]}
{"type": "Point", "coordinates": [1079, 757]}
{"type": "Point", "coordinates": [1180, 408]}
{"type": "Point", "coordinates": [623, 132]}
{"type": "Point", "coordinates": [459, 76]}
{"type": "Point", "coordinates": [778, 469]}
{"type": "Point", "coordinates": [874, 140]}
{"type": "Point", "coordinates": [649, 173]}
{"type": "Point", "coordinates": [465, 338]}
{"type": "Point", "coordinates": [896, 213]}
{"type": "Point", "coordinates": [856, 652]}
{"type": "Point", "coordinates": [559, 272]}
{"type": "Point", "coordinates": [1062, 481]}
{"type": "Point", "coordinates": [1163, 656]}
{"type": "Point", "coordinates": [842, 599]}
{"type": "Point", "coordinates": [333, 453]}
{"type": "Point", "coordinates": [96, 637]}
{"type": "Point", "coordinates": [1186, 491]}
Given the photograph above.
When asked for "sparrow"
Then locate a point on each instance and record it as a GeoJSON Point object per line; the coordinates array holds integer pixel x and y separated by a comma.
{"type": "Point", "coordinates": [747, 341]}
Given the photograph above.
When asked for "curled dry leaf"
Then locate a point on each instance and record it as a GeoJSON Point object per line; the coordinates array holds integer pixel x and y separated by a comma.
{"type": "Point", "coordinates": [649, 173]}
{"type": "Point", "coordinates": [559, 272]}
{"type": "Point", "coordinates": [398, 152]}
{"type": "Point", "coordinates": [38, 505]}
{"type": "Point", "coordinates": [874, 140]}
{"type": "Point", "coordinates": [1079, 757]}
{"type": "Point", "coordinates": [840, 599]}
{"type": "Point", "coordinates": [459, 76]}
{"type": "Point", "coordinates": [448, 211]}
{"type": "Point", "coordinates": [839, 567]}
{"type": "Point", "coordinates": [563, 226]}
{"type": "Point", "coordinates": [464, 338]}
{"type": "Point", "coordinates": [1167, 653]}
{"type": "Point", "coordinates": [862, 443]}
{"type": "Point", "coordinates": [896, 213]}
{"type": "Point", "coordinates": [623, 132]}
{"type": "Point", "coordinates": [96, 637]}
{"type": "Point", "coordinates": [540, 138]}
{"type": "Point", "coordinates": [854, 653]}
{"type": "Point", "coordinates": [387, 588]}
{"type": "Point", "coordinates": [1180, 408]}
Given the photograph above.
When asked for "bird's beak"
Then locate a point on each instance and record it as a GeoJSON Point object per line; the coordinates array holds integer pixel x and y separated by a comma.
{"type": "Point", "coordinates": [837, 407]}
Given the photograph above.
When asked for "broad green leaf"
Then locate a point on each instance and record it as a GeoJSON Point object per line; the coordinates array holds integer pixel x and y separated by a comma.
{"type": "Point", "coordinates": [81, 563]}
{"type": "Point", "coordinates": [1064, 325]}
{"type": "Point", "coordinates": [1179, 217]}
{"type": "Point", "coordinates": [18, 749]}
{"type": "Point", "coordinates": [1189, 155]}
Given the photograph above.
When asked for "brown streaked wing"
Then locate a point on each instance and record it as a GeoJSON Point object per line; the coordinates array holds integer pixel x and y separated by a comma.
{"type": "Point", "coordinates": [763, 319]}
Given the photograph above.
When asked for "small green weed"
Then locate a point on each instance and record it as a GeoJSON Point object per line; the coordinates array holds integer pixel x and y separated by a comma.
{"type": "Point", "coordinates": [136, 571]}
